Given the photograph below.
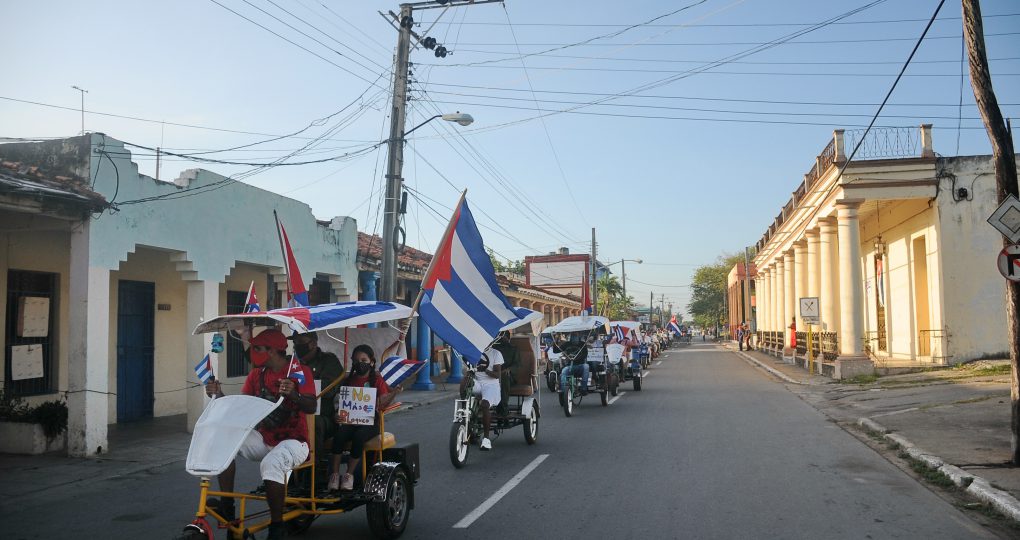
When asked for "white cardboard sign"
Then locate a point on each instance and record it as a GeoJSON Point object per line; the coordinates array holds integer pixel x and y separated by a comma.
{"type": "Point", "coordinates": [26, 362]}
{"type": "Point", "coordinates": [356, 405]}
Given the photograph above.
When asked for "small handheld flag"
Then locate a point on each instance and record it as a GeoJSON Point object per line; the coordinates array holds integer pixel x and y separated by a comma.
{"type": "Point", "coordinates": [251, 304]}
{"type": "Point", "coordinates": [295, 371]}
{"type": "Point", "coordinates": [396, 370]}
{"type": "Point", "coordinates": [618, 332]}
{"type": "Point", "coordinates": [204, 370]}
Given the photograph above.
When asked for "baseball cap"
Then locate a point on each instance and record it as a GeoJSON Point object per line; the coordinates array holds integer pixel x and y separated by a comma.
{"type": "Point", "coordinates": [271, 338]}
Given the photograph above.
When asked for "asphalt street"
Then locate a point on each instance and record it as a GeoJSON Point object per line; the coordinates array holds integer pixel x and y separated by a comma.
{"type": "Point", "coordinates": [712, 447]}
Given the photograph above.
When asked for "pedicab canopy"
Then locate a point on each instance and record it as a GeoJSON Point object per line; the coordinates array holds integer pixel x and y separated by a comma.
{"type": "Point", "coordinates": [311, 319]}
{"type": "Point", "coordinates": [579, 323]}
{"type": "Point", "coordinates": [527, 316]}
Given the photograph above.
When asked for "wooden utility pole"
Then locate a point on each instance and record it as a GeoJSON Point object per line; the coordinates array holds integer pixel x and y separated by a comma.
{"type": "Point", "coordinates": [1005, 183]}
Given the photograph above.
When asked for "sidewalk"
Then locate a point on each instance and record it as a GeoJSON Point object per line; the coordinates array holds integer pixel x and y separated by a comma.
{"type": "Point", "coordinates": [139, 446]}
{"type": "Point", "coordinates": [955, 420]}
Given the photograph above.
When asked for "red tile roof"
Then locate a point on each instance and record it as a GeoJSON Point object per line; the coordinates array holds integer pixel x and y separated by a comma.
{"type": "Point", "coordinates": [40, 181]}
{"type": "Point", "coordinates": [370, 247]}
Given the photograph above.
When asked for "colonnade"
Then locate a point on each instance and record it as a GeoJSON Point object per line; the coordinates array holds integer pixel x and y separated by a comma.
{"type": "Point", "coordinates": [824, 261]}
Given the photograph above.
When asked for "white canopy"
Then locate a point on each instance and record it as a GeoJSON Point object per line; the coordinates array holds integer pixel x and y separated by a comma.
{"type": "Point", "coordinates": [578, 323]}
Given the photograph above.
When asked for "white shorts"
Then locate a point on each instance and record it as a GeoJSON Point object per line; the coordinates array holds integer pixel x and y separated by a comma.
{"type": "Point", "coordinates": [489, 390]}
{"type": "Point", "coordinates": [275, 461]}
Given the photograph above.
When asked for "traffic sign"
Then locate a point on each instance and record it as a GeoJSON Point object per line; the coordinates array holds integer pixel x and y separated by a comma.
{"type": "Point", "coordinates": [810, 311]}
{"type": "Point", "coordinates": [1009, 262]}
{"type": "Point", "coordinates": [1006, 219]}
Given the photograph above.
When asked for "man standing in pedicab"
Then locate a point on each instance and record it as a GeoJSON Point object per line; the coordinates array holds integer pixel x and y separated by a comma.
{"type": "Point", "coordinates": [576, 352]}
{"type": "Point", "coordinates": [280, 441]}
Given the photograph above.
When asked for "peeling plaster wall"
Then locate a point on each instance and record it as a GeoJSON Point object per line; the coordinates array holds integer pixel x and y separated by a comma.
{"type": "Point", "coordinates": [973, 290]}
{"type": "Point", "coordinates": [215, 229]}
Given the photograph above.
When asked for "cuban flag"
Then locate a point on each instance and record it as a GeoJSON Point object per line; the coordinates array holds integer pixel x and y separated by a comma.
{"type": "Point", "coordinates": [251, 305]}
{"type": "Point", "coordinates": [296, 371]}
{"type": "Point", "coordinates": [586, 307]}
{"type": "Point", "coordinates": [619, 333]}
{"type": "Point", "coordinates": [297, 295]}
{"type": "Point", "coordinates": [395, 370]}
{"type": "Point", "coordinates": [674, 326]}
{"type": "Point", "coordinates": [204, 370]}
{"type": "Point", "coordinates": [462, 302]}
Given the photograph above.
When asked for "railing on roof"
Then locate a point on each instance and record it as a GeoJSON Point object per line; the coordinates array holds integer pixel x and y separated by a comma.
{"type": "Point", "coordinates": [884, 143]}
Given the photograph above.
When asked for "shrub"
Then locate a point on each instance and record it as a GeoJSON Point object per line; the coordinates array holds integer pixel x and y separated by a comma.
{"type": "Point", "coordinates": [51, 415]}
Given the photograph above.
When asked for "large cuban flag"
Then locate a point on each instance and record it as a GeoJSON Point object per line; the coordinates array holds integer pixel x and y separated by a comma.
{"type": "Point", "coordinates": [462, 301]}
{"type": "Point", "coordinates": [674, 326]}
{"type": "Point", "coordinates": [297, 295]}
{"type": "Point", "coordinates": [315, 318]}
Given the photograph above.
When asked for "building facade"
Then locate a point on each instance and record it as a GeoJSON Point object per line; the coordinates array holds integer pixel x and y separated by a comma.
{"type": "Point", "coordinates": [129, 282]}
{"type": "Point", "coordinates": [740, 297]}
{"type": "Point", "coordinates": [896, 249]}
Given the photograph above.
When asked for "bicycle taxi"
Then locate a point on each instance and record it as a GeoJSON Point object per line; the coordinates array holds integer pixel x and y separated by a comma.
{"type": "Point", "coordinates": [626, 359]}
{"type": "Point", "coordinates": [388, 473]}
{"type": "Point", "coordinates": [521, 396]}
{"type": "Point", "coordinates": [583, 334]}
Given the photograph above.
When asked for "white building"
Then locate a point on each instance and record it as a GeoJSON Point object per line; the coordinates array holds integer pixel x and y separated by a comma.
{"type": "Point", "coordinates": [897, 250]}
{"type": "Point", "coordinates": [129, 265]}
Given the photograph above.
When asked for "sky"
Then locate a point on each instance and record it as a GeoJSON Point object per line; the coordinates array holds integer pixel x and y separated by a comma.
{"type": "Point", "coordinates": [674, 157]}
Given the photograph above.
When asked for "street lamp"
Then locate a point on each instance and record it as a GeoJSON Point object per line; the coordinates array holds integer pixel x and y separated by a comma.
{"type": "Point", "coordinates": [394, 181]}
{"type": "Point", "coordinates": [623, 274]}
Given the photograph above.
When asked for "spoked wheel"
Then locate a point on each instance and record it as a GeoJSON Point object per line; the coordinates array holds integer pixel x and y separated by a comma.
{"type": "Point", "coordinates": [388, 518]}
{"type": "Point", "coordinates": [191, 533]}
{"type": "Point", "coordinates": [531, 425]}
{"type": "Point", "coordinates": [458, 444]}
{"type": "Point", "coordinates": [604, 395]}
{"type": "Point", "coordinates": [551, 381]}
{"type": "Point", "coordinates": [614, 384]}
{"type": "Point", "coordinates": [567, 399]}
{"type": "Point", "coordinates": [637, 382]}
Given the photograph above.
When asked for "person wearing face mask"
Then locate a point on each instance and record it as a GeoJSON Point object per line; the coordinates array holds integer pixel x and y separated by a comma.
{"type": "Point", "coordinates": [326, 368]}
{"type": "Point", "coordinates": [362, 374]}
{"type": "Point", "coordinates": [280, 442]}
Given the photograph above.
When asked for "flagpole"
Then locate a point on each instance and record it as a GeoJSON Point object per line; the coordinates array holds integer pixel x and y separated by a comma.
{"type": "Point", "coordinates": [283, 251]}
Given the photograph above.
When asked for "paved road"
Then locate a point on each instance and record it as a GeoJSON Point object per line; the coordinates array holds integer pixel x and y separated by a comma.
{"type": "Point", "coordinates": [711, 448]}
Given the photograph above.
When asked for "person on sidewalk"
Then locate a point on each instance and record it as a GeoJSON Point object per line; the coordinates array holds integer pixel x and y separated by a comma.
{"type": "Point", "coordinates": [280, 441]}
{"type": "Point", "coordinates": [748, 334]}
{"type": "Point", "coordinates": [362, 374]}
{"type": "Point", "coordinates": [741, 330]}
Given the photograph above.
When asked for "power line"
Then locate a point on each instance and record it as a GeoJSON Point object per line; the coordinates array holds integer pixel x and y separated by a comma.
{"type": "Point", "coordinates": [294, 43]}
{"type": "Point", "coordinates": [342, 44]}
{"type": "Point", "coordinates": [691, 61]}
{"type": "Point", "coordinates": [712, 44]}
{"type": "Point", "coordinates": [723, 25]}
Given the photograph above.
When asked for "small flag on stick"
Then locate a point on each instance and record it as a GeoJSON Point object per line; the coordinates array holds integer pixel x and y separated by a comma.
{"type": "Point", "coordinates": [396, 370]}
{"type": "Point", "coordinates": [204, 370]}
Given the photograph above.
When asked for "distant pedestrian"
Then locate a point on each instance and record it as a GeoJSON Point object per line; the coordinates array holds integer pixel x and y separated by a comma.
{"type": "Point", "coordinates": [747, 336]}
{"type": "Point", "coordinates": [741, 334]}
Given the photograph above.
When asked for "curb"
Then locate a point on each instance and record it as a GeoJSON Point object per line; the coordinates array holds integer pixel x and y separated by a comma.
{"type": "Point", "coordinates": [973, 484]}
{"type": "Point", "coordinates": [436, 396]}
{"type": "Point", "coordinates": [768, 368]}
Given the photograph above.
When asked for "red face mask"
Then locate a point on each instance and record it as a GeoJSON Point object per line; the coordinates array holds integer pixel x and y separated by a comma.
{"type": "Point", "coordinates": [259, 357]}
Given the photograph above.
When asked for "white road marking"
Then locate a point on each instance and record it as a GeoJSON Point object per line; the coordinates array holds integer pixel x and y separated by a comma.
{"type": "Point", "coordinates": [659, 363]}
{"type": "Point", "coordinates": [618, 396]}
{"type": "Point", "coordinates": [890, 413]}
{"type": "Point", "coordinates": [644, 374]}
{"type": "Point", "coordinates": [492, 500]}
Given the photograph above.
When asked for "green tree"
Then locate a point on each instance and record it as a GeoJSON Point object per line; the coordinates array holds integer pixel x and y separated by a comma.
{"type": "Point", "coordinates": [514, 267]}
{"type": "Point", "coordinates": [612, 303]}
{"type": "Point", "coordinates": [708, 291]}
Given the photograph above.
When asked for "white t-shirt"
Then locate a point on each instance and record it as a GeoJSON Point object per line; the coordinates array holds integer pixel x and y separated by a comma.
{"type": "Point", "coordinates": [495, 359]}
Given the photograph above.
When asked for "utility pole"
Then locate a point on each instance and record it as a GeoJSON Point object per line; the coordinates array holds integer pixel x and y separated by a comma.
{"type": "Point", "coordinates": [1005, 183]}
{"type": "Point", "coordinates": [662, 310]}
{"type": "Point", "coordinates": [594, 277]}
{"type": "Point", "coordinates": [83, 92]}
{"type": "Point", "coordinates": [395, 143]}
{"type": "Point", "coordinates": [651, 300]}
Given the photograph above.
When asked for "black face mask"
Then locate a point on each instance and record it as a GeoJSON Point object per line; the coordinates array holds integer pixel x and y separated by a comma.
{"type": "Point", "coordinates": [362, 368]}
{"type": "Point", "coordinates": [302, 349]}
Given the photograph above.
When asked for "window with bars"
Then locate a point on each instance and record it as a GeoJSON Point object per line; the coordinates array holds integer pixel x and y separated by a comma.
{"type": "Point", "coordinates": [29, 347]}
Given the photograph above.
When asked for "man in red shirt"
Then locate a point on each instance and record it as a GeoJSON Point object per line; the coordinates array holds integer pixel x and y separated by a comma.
{"type": "Point", "coordinates": [280, 441]}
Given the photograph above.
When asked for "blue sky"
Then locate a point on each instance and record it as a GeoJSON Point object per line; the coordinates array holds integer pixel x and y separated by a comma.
{"type": "Point", "coordinates": [675, 192]}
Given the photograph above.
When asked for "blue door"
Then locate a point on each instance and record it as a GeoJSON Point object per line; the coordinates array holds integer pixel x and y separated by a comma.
{"type": "Point", "coordinates": [136, 306]}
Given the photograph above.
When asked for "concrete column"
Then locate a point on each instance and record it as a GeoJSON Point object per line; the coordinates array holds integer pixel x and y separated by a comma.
{"type": "Point", "coordinates": [369, 288]}
{"type": "Point", "coordinates": [789, 295]}
{"type": "Point", "coordinates": [828, 290]}
{"type": "Point", "coordinates": [800, 283]}
{"type": "Point", "coordinates": [88, 350]}
{"type": "Point", "coordinates": [424, 377]}
{"type": "Point", "coordinates": [764, 301]}
{"type": "Point", "coordinates": [774, 297]}
{"type": "Point", "coordinates": [780, 294]}
{"type": "Point", "coordinates": [851, 360]}
{"type": "Point", "coordinates": [814, 278]}
{"type": "Point", "coordinates": [203, 304]}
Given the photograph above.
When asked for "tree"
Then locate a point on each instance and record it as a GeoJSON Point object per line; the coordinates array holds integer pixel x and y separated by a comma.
{"type": "Point", "coordinates": [708, 291]}
{"type": "Point", "coordinates": [511, 266]}
{"type": "Point", "coordinates": [612, 303]}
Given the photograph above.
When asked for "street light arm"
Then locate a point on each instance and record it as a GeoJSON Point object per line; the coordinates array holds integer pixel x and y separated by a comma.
{"type": "Point", "coordinates": [406, 133]}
